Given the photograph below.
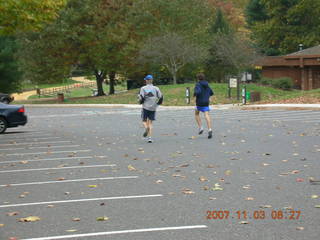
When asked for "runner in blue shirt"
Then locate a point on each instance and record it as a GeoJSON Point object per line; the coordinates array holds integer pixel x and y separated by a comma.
{"type": "Point", "coordinates": [203, 92]}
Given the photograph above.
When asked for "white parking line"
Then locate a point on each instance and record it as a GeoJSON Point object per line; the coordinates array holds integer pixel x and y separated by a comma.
{"type": "Point", "coordinates": [81, 200]}
{"type": "Point", "coordinates": [57, 168]}
{"type": "Point", "coordinates": [49, 147]}
{"type": "Point", "coordinates": [23, 137]}
{"type": "Point", "coordinates": [119, 232]}
{"type": "Point", "coordinates": [30, 139]}
{"type": "Point", "coordinates": [40, 153]}
{"type": "Point", "coordinates": [46, 159]}
{"type": "Point", "coordinates": [67, 181]}
{"type": "Point", "coordinates": [32, 143]}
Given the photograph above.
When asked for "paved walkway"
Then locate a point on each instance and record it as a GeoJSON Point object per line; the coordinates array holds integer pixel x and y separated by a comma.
{"type": "Point", "coordinates": [27, 94]}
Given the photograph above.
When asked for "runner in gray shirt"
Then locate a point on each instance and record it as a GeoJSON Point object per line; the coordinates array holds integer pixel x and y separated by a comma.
{"type": "Point", "coordinates": [150, 97]}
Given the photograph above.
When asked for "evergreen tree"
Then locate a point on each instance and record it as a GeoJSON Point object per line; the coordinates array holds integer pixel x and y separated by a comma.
{"type": "Point", "coordinates": [10, 76]}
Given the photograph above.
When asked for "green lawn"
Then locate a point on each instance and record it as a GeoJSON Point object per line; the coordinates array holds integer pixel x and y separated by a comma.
{"type": "Point", "coordinates": [174, 95]}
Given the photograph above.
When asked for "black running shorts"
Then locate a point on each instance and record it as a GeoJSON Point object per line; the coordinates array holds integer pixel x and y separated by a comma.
{"type": "Point", "coordinates": [146, 114]}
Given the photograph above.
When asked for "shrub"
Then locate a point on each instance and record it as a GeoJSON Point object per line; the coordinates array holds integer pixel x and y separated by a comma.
{"type": "Point", "coordinates": [266, 81]}
{"type": "Point", "coordinates": [284, 83]}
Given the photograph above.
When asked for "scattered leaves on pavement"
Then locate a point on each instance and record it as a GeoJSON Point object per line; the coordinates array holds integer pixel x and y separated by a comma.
{"type": "Point", "coordinates": [104, 218]}
{"type": "Point", "coordinates": [30, 219]}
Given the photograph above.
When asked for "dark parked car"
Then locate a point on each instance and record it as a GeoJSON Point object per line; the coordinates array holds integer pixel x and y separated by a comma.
{"type": "Point", "coordinates": [5, 98]}
{"type": "Point", "coordinates": [11, 116]}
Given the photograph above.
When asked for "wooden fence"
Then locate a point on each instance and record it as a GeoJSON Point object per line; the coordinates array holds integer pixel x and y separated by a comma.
{"type": "Point", "coordinates": [63, 89]}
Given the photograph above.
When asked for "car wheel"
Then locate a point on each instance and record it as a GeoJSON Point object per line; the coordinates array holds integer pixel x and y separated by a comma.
{"type": "Point", "coordinates": [6, 101]}
{"type": "Point", "coordinates": [3, 125]}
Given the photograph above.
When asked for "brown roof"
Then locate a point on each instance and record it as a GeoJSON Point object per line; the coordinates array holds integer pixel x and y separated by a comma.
{"type": "Point", "coordinates": [309, 51]}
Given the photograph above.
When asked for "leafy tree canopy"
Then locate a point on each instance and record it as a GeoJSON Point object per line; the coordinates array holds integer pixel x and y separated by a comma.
{"type": "Point", "coordinates": [287, 23]}
{"type": "Point", "coordinates": [27, 15]}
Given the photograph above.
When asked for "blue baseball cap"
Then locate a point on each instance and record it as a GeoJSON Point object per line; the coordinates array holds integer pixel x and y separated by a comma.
{"type": "Point", "coordinates": [148, 77]}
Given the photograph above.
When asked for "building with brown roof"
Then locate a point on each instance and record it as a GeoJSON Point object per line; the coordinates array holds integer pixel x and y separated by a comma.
{"type": "Point", "coordinates": [302, 66]}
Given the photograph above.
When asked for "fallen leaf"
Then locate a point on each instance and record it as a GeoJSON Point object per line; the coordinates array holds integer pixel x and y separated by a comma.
{"type": "Point", "coordinates": [131, 168]}
{"type": "Point", "coordinates": [76, 219]}
{"type": "Point", "coordinates": [228, 172]}
{"type": "Point", "coordinates": [102, 218]}
{"type": "Point", "coordinates": [24, 162]}
{"type": "Point", "coordinates": [206, 188]}
{"type": "Point", "coordinates": [299, 180]}
{"type": "Point", "coordinates": [10, 214]}
{"type": "Point", "coordinates": [187, 191]}
{"type": "Point", "coordinates": [92, 186]}
{"type": "Point", "coordinates": [29, 219]}
{"type": "Point", "coordinates": [183, 165]}
{"type": "Point", "coordinates": [265, 206]}
{"type": "Point", "coordinates": [203, 179]}
{"type": "Point", "coordinates": [244, 222]}
{"type": "Point", "coordinates": [50, 206]}
{"type": "Point", "coordinates": [217, 187]}
{"type": "Point", "coordinates": [61, 179]}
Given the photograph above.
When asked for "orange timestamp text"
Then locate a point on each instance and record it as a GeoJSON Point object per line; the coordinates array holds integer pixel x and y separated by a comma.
{"type": "Point", "coordinates": [257, 214]}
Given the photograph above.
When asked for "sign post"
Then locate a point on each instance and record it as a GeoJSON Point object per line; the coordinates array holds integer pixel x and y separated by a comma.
{"type": "Point", "coordinates": [188, 95]}
{"type": "Point", "coordinates": [233, 83]}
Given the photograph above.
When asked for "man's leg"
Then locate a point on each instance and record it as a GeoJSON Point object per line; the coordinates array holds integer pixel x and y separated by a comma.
{"type": "Point", "coordinates": [145, 125]}
{"type": "Point", "coordinates": [208, 120]}
{"type": "Point", "coordinates": [149, 124]}
{"type": "Point", "coordinates": [198, 120]}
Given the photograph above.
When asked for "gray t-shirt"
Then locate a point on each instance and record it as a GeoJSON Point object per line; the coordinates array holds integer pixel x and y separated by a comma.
{"type": "Point", "coordinates": [151, 95]}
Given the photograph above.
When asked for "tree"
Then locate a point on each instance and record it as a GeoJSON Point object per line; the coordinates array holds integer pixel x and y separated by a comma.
{"type": "Point", "coordinates": [27, 15]}
{"type": "Point", "coordinates": [287, 24]}
{"type": "Point", "coordinates": [10, 76]}
{"type": "Point", "coordinates": [90, 33]}
{"type": "Point", "coordinates": [255, 12]}
{"type": "Point", "coordinates": [171, 51]}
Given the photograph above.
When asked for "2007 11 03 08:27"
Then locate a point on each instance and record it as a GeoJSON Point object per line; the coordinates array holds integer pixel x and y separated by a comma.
{"type": "Point", "coordinates": [257, 214]}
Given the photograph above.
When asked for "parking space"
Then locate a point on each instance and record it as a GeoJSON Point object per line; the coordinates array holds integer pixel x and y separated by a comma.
{"type": "Point", "coordinates": [88, 174]}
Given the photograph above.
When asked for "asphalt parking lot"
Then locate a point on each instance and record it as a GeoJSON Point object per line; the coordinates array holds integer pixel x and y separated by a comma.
{"type": "Point", "coordinates": [87, 173]}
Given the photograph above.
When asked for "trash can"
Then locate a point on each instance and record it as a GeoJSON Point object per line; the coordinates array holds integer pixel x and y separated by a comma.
{"type": "Point", "coordinates": [255, 96]}
{"type": "Point", "coordinates": [248, 95]}
{"type": "Point", "coordinates": [60, 97]}
{"type": "Point", "coordinates": [94, 92]}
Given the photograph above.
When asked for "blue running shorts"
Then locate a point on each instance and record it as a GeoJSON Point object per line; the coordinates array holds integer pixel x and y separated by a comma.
{"type": "Point", "coordinates": [203, 109]}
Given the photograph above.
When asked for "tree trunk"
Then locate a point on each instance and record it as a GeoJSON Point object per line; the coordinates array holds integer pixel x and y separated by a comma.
{"type": "Point", "coordinates": [99, 79]}
{"type": "Point", "coordinates": [112, 76]}
{"type": "Point", "coordinates": [174, 78]}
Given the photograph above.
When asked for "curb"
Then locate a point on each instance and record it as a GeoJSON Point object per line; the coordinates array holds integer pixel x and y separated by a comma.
{"type": "Point", "coordinates": [313, 107]}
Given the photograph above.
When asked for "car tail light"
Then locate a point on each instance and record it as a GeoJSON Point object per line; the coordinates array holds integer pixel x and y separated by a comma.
{"type": "Point", "coordinates": [21, 110]}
